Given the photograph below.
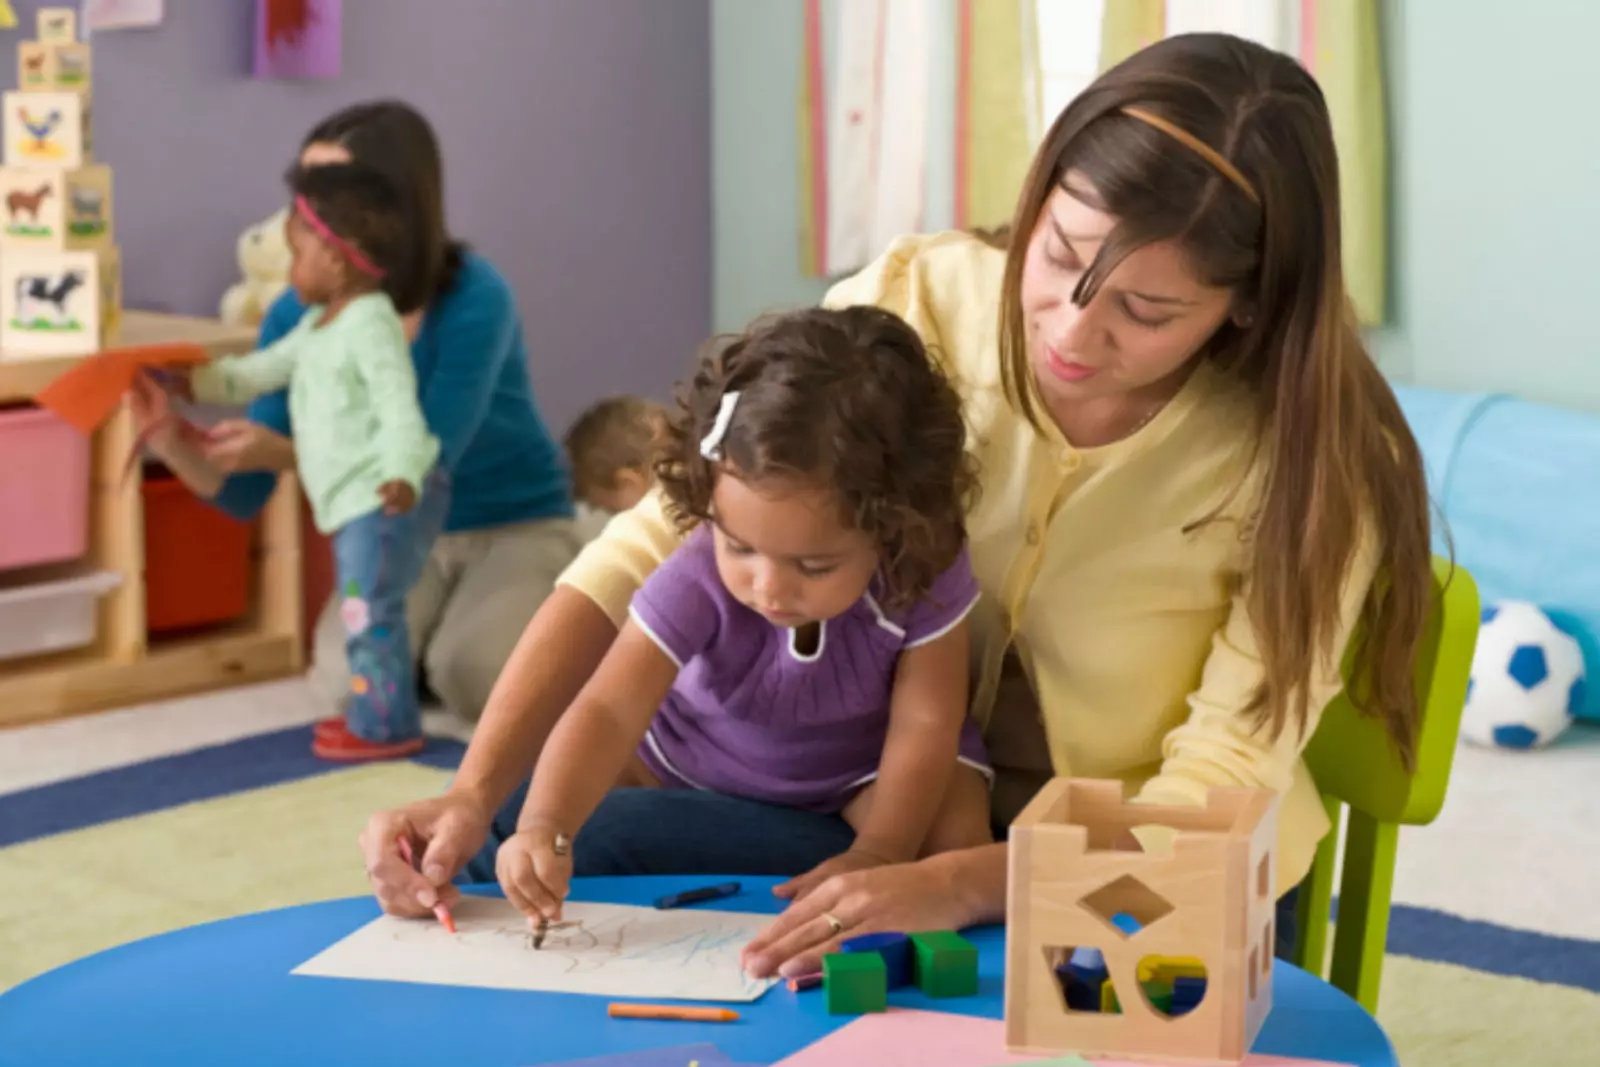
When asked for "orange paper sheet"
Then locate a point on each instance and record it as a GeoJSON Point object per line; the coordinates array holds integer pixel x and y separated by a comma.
{"type": "Point", "coordinates": [90, 392]}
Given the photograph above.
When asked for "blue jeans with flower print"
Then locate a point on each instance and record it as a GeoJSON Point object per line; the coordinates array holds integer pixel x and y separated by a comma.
{"type": "Point", "coordinates": [379, 558]}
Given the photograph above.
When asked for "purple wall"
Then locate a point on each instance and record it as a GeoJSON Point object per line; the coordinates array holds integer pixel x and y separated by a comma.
{"type": "Point", "coordinates": [577, 146]}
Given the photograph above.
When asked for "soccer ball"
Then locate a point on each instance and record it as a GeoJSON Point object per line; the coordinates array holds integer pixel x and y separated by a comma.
{"type": "Point", "coordinates": [1527, 679]}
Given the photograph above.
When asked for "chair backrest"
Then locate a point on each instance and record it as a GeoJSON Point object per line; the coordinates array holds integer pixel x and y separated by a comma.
{"type": "Point", "coordinates": [1350, 755]}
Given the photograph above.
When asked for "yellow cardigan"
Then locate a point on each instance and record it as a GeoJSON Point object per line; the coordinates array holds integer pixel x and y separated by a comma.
{"type": "Point", "coordinates": [1132, 632]}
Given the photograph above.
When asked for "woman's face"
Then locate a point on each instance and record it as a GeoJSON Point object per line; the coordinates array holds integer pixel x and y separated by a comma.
{"type": "Point", "coordinates": [1143, 326]}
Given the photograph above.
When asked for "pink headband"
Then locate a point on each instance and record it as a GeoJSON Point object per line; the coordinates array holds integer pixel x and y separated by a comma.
{"type": "Point", "coordinates": [350, 251]}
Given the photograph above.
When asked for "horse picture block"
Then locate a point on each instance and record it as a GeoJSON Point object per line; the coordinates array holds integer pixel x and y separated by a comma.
{"type": "Point", "coordinates": [51, 303]}
{"type": "Point", "coordinates": [54, 209]}
{"type": "Point", "coordinates": [47, 129]}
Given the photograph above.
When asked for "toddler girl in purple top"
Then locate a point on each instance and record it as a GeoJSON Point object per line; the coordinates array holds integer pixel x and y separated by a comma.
{"type": "Point", "coordinates": [806, 644]}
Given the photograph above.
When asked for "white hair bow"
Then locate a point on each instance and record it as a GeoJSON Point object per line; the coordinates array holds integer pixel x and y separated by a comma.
{"type": "Point", "coordinates": [711, 443]}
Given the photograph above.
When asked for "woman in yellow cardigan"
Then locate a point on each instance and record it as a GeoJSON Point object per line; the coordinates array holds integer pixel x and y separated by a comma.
{"type": "Point", "coordinates": [1192, 474]}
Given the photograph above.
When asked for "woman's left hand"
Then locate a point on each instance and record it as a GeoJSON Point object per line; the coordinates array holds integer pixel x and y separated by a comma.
{"type": "Point", "coordinates": [238, 445]}
{"type": "Point", "coordinates": [904, 897]}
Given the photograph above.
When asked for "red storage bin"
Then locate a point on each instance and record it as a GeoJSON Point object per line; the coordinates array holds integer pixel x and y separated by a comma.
{"type": "Point", "coordinates": [44, 489]}
{"type": "Point", "coordinates": [196, 559]}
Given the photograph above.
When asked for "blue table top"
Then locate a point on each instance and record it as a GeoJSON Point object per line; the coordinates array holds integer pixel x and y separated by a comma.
{"type": "Point", "coordinates": [222, 993]}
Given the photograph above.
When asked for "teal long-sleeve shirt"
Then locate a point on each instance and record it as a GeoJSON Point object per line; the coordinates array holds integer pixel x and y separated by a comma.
{"type": "Point", "coordinates": [352, 399]}
{"type": "Point", "coordinates": [471, 365]}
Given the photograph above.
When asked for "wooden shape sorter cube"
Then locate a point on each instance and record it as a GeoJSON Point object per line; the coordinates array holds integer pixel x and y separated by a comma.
{"type": "Point", "coordinates": [47, 129]}
{"type": "Point", "coordinates": [58, 25]}
{"type": "Point", "coordinates": [43, 67]}
{"type": "Point", "coordinates": [52, 303]}
{"type": "Point", "coordinates": [1183, 937]}
{"type": "Point", "coordinates": [53, 209]}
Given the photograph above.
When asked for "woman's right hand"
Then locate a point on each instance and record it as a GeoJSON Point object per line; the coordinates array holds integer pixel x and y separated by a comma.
{"type": "Point", "coordinates": [235, 446]}
{"type": "Point", "coordinates": [152, 412]}
{"type": "Point", "coordinates": [535, 876]}
{"type": "Point", "coordinates": [444, 831]}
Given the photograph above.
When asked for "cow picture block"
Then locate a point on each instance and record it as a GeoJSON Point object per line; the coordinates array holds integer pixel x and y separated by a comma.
{"type": "Point", "coordinates": [51, 303]}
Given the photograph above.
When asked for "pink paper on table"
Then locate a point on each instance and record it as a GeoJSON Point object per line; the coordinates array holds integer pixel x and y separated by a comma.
{"type": "Point", "coordinates": [936, 1039]}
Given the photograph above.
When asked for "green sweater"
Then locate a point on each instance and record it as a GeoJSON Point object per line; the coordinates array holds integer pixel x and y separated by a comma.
{"type": "Point", "coordinates": [352, 404]}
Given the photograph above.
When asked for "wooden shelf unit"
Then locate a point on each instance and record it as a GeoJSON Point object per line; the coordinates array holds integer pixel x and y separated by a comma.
{"type": "Point", "coordinates": [124, 665]}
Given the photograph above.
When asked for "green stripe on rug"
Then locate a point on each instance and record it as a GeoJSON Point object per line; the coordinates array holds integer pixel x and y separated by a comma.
{"type": "Point", "coordinates": [1441, 1015]}
{"type": "Point", "coordinates": [68, 896]}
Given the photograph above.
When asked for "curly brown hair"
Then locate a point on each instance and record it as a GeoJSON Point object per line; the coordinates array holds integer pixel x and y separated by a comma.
{"type": "Point", "coordinates": [847, 399]}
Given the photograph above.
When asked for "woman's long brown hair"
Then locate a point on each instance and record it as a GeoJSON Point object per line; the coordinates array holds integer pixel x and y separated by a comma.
{"type": "Point", "coordinates": [1340, 463]}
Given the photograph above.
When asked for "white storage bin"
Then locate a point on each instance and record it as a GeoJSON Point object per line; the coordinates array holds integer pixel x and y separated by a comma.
{"type": "Point", "coordinates": [52, 616]}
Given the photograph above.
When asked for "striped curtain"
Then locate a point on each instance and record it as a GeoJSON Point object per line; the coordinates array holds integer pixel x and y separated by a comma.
{"type": "Point", "coordinates": [997, 108]}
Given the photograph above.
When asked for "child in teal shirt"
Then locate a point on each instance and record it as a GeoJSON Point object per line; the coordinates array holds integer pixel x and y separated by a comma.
{"type": "Point", "coordinates": [366, 457]}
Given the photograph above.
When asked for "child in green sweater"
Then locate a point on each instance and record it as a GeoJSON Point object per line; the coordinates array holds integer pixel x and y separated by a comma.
{"type": "Point", "coordinates": [366, 457]}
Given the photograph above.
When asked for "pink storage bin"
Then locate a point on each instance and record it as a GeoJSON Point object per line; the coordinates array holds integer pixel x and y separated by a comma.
{"type": "Point", "coordinates": [44, 489]}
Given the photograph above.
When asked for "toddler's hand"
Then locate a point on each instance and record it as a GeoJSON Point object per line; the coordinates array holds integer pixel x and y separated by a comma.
{"type": "Point", "coordinates": [398, 497]}
{"type": "Point", "coordinates": [535, 878]}
{"type": "Point", "coordinates": [797, 888]}
{"type": "Point", "coordinates": [174, 380]}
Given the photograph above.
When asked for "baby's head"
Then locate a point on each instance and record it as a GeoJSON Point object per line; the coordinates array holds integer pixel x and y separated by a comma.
{"type": "Point", "coordinates": [346, 231]}
{"type": "Point", "coordinates": [824, 447]}
{"type": "Point", "coordinates": [612, 448]}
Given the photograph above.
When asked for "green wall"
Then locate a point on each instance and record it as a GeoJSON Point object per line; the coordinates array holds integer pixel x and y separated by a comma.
{"type": "Point", "coordinates": [1496, 207]}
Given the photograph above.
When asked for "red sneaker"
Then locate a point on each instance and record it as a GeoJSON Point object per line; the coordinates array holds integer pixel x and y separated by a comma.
{"type": "Point", "coordinates": [329, 729]}
{"type": "Point", "coordinates": [337, 744]}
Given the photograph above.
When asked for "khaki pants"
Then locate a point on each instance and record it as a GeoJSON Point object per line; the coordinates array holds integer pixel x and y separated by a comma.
{"type": "Point", "coordinates": [477, 592]}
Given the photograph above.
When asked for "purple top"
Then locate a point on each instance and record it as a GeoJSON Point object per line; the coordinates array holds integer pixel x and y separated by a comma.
{"type": "Point", "coordinates": [750, 716]}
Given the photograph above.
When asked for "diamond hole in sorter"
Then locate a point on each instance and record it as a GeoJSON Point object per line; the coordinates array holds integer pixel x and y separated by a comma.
{"type": "Point", "coordinates": [1127, 905]}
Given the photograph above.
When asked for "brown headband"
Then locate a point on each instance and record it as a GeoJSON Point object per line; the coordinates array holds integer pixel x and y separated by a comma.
{"type": "Point", "coordinates": [1211, 155]}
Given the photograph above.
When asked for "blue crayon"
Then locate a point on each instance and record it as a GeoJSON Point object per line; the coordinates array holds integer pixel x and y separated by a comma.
{"type": "Point", "coordinates": [698, 896]}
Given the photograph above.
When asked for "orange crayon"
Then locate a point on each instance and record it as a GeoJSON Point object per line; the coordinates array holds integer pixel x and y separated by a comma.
{"type": "Point", "coordinates": [672, 1011]}
{"type": "Point", "coordinates": [440, 912]}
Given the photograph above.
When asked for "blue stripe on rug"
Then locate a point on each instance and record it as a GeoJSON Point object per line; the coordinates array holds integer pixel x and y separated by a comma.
{"type": "Point", "coordinates": [206, 773]}
{"type": "Point", "coordinates": [1440, 937]}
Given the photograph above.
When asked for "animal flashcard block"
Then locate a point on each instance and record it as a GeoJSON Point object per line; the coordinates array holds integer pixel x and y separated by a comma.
{"type": "Point", "coordinates": [55, 209]}
{"type": "Point", "coordinates": [47, 129]}
{"type": "Point", "coordinates": [50, 304]}
{"type": "Point", "coordinates": [58, 25]}
{"type": "Point", "coordinates": [43, 68]}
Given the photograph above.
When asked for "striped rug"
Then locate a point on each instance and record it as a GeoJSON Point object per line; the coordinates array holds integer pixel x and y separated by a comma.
{"type": "Point", "coordinates": [257, 823]}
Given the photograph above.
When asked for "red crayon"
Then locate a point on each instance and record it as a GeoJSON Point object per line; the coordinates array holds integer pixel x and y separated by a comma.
{"type": "Point", "coordinates": [805, 981]}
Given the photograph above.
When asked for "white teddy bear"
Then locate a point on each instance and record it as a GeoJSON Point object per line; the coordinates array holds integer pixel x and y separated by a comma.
{"type": "Point", "coordinates": [264, 262]}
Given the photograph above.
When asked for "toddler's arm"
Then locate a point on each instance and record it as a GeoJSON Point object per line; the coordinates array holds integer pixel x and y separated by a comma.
{"type": "Point", "coordinates": [926, 713]}
{"type": "Point", "coordinates": [406, 448]}
{"type": "Point", "coordinates": [240, 379]}
{"type": "Point", "coordinates": [586, 752]}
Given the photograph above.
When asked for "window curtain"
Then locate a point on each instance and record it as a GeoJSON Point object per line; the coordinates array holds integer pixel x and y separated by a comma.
{"type": "Point", "coordinates": [997, 108]}
{"type": "Point", "coordinates": [1339, 42]}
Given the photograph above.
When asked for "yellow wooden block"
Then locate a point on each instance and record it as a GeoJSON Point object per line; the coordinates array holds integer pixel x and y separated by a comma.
{"type": "Point", "coordinates": [1166, 968]}
{"type": "Point", "coordinates": [55, 209]}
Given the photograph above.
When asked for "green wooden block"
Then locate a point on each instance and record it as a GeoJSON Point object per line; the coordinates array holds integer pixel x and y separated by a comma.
{"type": "Point", "coordinates": [946, 964]}
{"type": "Point", "coordinates": [855, 983]}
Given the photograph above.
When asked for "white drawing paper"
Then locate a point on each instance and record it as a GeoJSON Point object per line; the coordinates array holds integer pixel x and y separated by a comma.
{"type": "Point", "coordinates": [610, 950]}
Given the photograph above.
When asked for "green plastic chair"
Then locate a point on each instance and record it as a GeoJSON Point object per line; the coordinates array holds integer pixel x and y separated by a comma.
{"type": "Point", "coordinates": [1355, 764]}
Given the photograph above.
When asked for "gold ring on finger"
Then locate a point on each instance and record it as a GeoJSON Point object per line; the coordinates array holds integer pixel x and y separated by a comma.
{"type": "Point", "coordinates": [835, 923]}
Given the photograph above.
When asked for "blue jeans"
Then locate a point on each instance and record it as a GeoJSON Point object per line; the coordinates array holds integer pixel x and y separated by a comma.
{"type": "Point", "coordinates": [686, 831]}
{"type": "Point", "coordinates": [379, 558]}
